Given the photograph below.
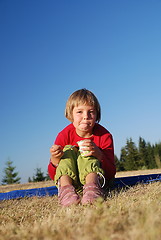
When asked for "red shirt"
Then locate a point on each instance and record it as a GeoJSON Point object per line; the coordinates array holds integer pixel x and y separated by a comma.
{"type": "Point", "coordinates": [101, 137]}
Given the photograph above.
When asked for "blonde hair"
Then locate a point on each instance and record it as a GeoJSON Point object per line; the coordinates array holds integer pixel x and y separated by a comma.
{"type": "Point", "coordinates": [85, 97]}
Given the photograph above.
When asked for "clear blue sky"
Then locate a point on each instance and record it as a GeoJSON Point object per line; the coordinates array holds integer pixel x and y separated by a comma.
{"type": "Point", "coordinates": [50, 48]}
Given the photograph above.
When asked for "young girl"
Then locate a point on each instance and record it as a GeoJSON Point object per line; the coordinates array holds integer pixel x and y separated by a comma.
{"type": "Point", "coordinates": [72, 166]}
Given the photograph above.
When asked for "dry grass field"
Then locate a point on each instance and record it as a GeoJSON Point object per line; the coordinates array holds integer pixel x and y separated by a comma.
{"type": "Point", "coordinates": [132, 214]}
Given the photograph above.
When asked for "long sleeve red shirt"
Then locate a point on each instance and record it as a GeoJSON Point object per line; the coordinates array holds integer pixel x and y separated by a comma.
{"type": "Point", "coordinates": [101, 137]}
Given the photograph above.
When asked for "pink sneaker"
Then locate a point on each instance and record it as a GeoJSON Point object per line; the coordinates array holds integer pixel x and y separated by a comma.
{"type": "Point", "coordinates": [91, 192]}
{"type": "Point", "coordinates": [67, 196]}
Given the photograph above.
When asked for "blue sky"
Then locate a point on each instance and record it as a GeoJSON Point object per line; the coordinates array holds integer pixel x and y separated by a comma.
{"type": "Point", "coordinates": [50, 48]}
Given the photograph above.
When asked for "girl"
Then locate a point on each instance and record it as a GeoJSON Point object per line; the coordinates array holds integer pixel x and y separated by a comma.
{"type": "Point", "coordinates": [73, 167]}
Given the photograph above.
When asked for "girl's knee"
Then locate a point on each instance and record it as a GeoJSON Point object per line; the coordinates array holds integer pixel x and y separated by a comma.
{"type": "Point", "coordinates": [91, 178]}
{"type": "Point", "coordinates": [65, 180]}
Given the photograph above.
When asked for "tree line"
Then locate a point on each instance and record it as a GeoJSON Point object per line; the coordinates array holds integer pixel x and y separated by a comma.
{"type": "Point", "coordinates": [143, 156]}
{"type": "Point", "coordinates": [132, 157]}
{"type": "Point", "coordinates": [11, 176]}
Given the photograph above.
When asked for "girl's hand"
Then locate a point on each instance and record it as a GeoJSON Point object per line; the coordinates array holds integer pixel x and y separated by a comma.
{"type": "Point", "coordinates": [56, 153]}
{"type": "Point", "coordinates": [92, 148]}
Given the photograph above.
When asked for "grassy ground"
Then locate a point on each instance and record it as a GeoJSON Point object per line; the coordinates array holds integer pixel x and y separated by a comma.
{"type": "Point", "coordinates": [134, 214]}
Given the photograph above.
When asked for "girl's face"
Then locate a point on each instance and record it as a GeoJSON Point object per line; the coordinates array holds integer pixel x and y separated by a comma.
{"type": "Point", "coordinates": [84, 118]}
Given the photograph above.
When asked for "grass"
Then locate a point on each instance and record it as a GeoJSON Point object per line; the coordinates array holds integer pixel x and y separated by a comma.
{"type": "Point", "coordinates": [134, 214]}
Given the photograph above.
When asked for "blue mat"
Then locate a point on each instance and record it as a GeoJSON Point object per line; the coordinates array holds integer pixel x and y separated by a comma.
{"type": "Point", "coordinates": [133, 180]}
{"type": "Point", "coordinates": [39, 192]}
{"type": "Point", "coordinates": [50, 191]}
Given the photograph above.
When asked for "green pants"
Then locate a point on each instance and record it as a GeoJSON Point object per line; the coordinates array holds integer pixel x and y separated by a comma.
{"type": "Point", "coordinates": [76, 166]}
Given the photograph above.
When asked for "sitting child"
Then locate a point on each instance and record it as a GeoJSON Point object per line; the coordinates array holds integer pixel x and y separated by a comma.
{"type": "Point", "coordinates": [83, 154]}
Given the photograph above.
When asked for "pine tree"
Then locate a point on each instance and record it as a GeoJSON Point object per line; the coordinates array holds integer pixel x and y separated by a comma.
{"type": "Point", "coordinates": [117, 162]}
{"type": "Point", "coordinates": [10, 175]}
{"type": "Point", "coordinates": [29, 180]}
{"type": "Point", "coordinates": [150, 156]}
{"type": "Point", "coordinates": [157, 154]}
{"type": "Point", "coordinates": [47, 178]}
{"type": "Point", "coordinates": [129, 156]}
{"type": "Point", "coordinates": [122, 160]}
{"type": "Point", "coordinates": [39, 176]}
{"type": "Point", "coordinates": [143, 154]}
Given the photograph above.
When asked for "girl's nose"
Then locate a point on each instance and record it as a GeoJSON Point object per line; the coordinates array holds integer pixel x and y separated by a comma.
{"type": "Point", "coordinates": [85, 116]}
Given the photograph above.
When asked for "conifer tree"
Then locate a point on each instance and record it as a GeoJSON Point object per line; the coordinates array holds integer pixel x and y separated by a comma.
{"type": "Point", "coordinates": [47, 178]}
{"type": "Point", "coordinates": [10, 176]}
{"type": "Point", "coordinates": [157, 154]}
{"type": "Point", "coordinates": [143, 154]}
{"type": "Point", "coordinates": [122, 161]}
{"type": "Point", "coordinates": [39, 176]}
{"type": "Point", "coordinates": [129, 156]}
{"type": "Point", "coordinates": [117, 162]}
{"type": "Point", "coordinates": [150, 156]}
{"type": "Point", "coordinates": [29, 180]}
